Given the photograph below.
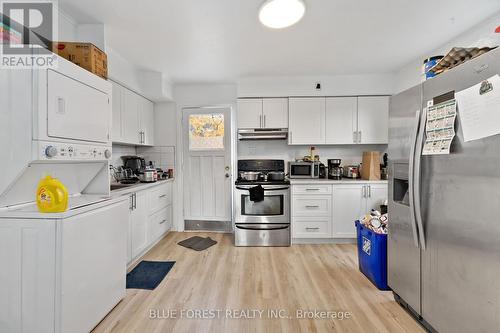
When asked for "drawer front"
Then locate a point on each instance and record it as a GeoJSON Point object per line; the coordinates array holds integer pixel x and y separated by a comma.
{"type": "Point", "coordinates": [312, 228]}
{"type": "Point", "coordinates": [312, 189]}
{"type": "Point", "coordinates": [159, 223]}
{"type": "Point", "coordinates": [309, 205]}
{"type": "Point", "coordinates": [160, 197]}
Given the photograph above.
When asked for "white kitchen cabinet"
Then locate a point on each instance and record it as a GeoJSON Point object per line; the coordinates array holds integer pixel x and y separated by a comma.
{"type": "Point", "coordinates": [376, 196]}
{"type": "Point", "coordinates": [139, 223]}
{"type": "Point", "coordinates": [312, 228]}
{"type": "Point", "coordinates": [263, 113]}
{"type": "Point", "coordinates": [147, 127]}
{"type": "Point", "coordinates": [349, 204]}
{"type": "Point", "coordinates": [311, 211]}
{"type": "Point", "coordinates": [373, 120]}
{"type": "Point", "coordinates": [250, 113]}
{"type": "Point", "coordinates": [351, 201]}
{"type": "Point", "coordinates": [275, 112]}
{"type": "Point", "coordinates": [117, 134]}
{"type": "Point", "coordinates": [130, 117]}
{"type": "Point", "coordinates": [306, 121]}
{"type": "Point", "coordinates": [150, 217]}
{"type": "Point", "coordinates": [133, 117]}
{"type": "Point", "coordinates": [341, 120]}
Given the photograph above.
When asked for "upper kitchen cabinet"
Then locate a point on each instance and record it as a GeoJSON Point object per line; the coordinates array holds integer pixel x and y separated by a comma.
{"type": "Point", "coordinates": [373, 120]}
{"type": "Point", "coordinates": [147, 122]}
{"type": "Point", "coordinates": [250, 113]}
{"type": "Point", "coordinates": [262, 113]}
{"type": "Point", "coordinates": [116, 133]}
{"type": "Point", "coordinates": [341, 120]}
{"type": "Point", "coordinates": [306, 121]}
{"type": "Point", "coordinates": [133, 117]}
{"type": "Point", "coordinates": [275, 112]}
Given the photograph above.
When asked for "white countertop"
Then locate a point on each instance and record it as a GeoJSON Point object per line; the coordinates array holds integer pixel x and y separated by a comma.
{"type": "Point", "coordinates": [138, 187]}
{"type": "Point", "coordinates": [327, 181]}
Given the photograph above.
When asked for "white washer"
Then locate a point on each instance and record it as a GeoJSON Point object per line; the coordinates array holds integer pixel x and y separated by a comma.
{"type": "Point", "coordinates": [62, 272]}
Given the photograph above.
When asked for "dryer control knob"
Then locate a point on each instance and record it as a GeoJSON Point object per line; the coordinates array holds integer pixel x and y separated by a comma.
{"type": "Point", "coordinates": [51, 151]}
{"type": "Point", "coordinates": [107, 153]}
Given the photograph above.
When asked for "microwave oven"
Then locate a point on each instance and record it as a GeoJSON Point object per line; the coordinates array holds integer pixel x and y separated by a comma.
{"type": "Point", "coordinates": [303, 169]}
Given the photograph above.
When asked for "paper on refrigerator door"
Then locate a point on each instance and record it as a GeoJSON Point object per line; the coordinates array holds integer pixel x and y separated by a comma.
{"type": "Point", "coordinates": [440, 128]}
{"type": "Point", "coordinates": [479, 109]}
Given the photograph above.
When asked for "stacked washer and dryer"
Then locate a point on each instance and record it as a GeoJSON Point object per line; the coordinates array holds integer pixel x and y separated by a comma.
{"type": "Point", "coordinates": [61, 272]}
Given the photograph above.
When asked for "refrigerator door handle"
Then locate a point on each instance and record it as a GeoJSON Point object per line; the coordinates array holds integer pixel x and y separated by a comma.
{"type": "Point", "coordinates": [411, 178]}
{"type": "Point", "coordinates": [416, 179]}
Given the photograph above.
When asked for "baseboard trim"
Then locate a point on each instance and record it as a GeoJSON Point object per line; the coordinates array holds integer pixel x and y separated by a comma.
{"type": "Point", "coordinates": [318, 241]}
{"type": "Point", "coordinates": [210, 226]}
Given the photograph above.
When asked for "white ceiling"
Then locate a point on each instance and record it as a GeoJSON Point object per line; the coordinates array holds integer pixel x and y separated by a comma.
{"type": "Point", "coordinates": [222, 40]}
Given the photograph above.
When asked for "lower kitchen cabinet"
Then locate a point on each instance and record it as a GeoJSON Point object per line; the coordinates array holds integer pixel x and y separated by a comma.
{"type": "Point", "coordinates": [329, 210]}
{"type": "Point", "coordinates": [349, 204]}
{"type": "Point", "coordinates": [138, 223]}
{"type": "Point", "coordinates": [150, 217]}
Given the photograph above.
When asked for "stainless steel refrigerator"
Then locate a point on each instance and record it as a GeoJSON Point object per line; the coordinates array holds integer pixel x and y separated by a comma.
{"type": "Point", "coordinates": [444, 232]}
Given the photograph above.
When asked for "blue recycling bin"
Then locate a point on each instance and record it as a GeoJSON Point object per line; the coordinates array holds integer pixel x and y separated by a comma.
{"type": "Point", "coordinates": [372, 255]}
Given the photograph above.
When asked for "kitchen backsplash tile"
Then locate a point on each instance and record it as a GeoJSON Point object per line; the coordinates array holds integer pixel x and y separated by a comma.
{"type": "Point", "coordinates": [350, 154]}
{"type": "Point", "coordinates": [121, 150]}
{"type": "Point", "coordinates": [162, 156]}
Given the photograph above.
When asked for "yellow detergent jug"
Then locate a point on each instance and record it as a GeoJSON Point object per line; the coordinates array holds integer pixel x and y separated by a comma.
{"type": "Point", "coordinates": [51, 196]}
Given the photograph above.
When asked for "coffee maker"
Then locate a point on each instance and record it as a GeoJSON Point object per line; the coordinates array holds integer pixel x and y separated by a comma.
{"type": "Point", "coordinates": [334, 169]}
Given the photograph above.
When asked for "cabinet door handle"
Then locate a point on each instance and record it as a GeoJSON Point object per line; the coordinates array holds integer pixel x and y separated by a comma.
{"type": "Point", "coordinates": [312, 189]}
{"type": "Point", "coordinates": [135, 201]}
{"type": "Point", "coordinates": [264, 121]}
{"type": "Point", "coordinates": [363, 191]}
{"type": "Point", "coordinates": [369, 191]}
{"type": "Point", "coordinates": [354, 137]}
{"type": "Point", "coordinates": [359, 136]}
{"type": "Point", "coordinates": [163, 221]}
{"type": "Point", "coordinates": [260, 121]}
{"type": "Point", "coordinates": [311, 228]}
{"type": "Point", "coordinates": [162, 196]}
{"type": "Point", "coordinates": [312, 206]}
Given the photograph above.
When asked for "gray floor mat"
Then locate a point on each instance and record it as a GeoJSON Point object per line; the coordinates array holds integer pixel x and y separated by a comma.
{"type": "Point", "coordinates": [197, 243]}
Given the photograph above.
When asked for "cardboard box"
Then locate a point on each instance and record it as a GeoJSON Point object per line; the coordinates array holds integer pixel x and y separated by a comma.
{"type": "Point", "coordinates": [85, 55]}
{"type": "Point", "coordinates": [370, 169]}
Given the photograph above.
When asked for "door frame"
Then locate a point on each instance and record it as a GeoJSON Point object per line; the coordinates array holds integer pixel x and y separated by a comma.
{"type": "Point", "coordinates": [182, 137]}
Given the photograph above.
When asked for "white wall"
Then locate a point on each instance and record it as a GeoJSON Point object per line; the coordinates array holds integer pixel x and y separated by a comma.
{"type": "Point", "coordinates": [411, 74]}
{"type": "Point", "coordinates": [339, 85]}
{"type": "Point", "coordinates": [195, 95]}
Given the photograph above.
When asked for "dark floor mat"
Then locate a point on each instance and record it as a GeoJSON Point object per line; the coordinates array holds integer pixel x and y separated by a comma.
{"type": "Point", "coordinates": [197, 243]}
{"type": "Point", "coordinates": [148, 274]}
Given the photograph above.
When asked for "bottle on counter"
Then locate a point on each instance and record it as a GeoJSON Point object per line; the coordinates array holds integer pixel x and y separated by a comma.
{"type": "Point", "coordinates": [51, 196]}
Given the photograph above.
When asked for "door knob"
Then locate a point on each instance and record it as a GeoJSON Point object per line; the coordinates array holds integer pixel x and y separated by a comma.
{"type": "Point", "coordinates": [227, 175]}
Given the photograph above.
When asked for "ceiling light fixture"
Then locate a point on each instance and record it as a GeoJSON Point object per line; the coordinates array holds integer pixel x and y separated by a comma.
{"type": "Point", "coordinates": [278, 14]}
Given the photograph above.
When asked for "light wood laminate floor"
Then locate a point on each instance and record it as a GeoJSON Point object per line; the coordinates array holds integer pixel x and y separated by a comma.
{"type": "Point", "coordinates": [224, 277]}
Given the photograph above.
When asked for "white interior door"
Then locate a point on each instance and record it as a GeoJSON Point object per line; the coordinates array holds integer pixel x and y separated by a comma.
{"type": "Point", "coordinates": [207, 163]}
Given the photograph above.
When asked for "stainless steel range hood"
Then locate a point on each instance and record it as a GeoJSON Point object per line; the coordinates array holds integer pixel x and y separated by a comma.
{"type": "Point", "coordinates": [263, 134]}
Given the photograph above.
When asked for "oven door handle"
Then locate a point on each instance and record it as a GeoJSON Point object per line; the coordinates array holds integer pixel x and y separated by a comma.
{"type": "Point", "coordinates": [263, 227]}
{"type": "Point", "coordinates": [265, 189]}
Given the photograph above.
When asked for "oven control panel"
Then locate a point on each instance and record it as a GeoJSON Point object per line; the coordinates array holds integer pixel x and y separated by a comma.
{"type": "Point", "coordinates": [68, 151]}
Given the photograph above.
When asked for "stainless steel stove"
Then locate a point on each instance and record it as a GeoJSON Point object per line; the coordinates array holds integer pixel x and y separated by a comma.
{"type": "Point", "coordinates": [264, 221]}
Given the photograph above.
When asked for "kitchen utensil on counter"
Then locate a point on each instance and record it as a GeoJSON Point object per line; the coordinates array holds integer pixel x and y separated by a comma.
{"type": "Point", "coordinates": [351, 171]}
{"type": "Point", "coordinates": [274, 176]}
{"type": "Point", "coordinates": [250, 175]}
{"type": "Point", "coordinates": [136, 163]}
{"type": "Point", "coordinates": [383, 168]}
{"type": "Point", "coordinates": [334, 169]}
{"type": "Point", "coordinates": [322, 171]}
{"type": "Point", "coordinates": [147, 176]}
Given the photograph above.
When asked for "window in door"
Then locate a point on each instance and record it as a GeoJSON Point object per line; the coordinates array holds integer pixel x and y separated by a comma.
{"type": "Point", "coordinates": [206, 131]}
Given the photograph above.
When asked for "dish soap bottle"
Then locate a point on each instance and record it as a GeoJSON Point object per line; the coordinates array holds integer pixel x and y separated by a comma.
{"type": "Point", "coordinates": [51, 196]}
